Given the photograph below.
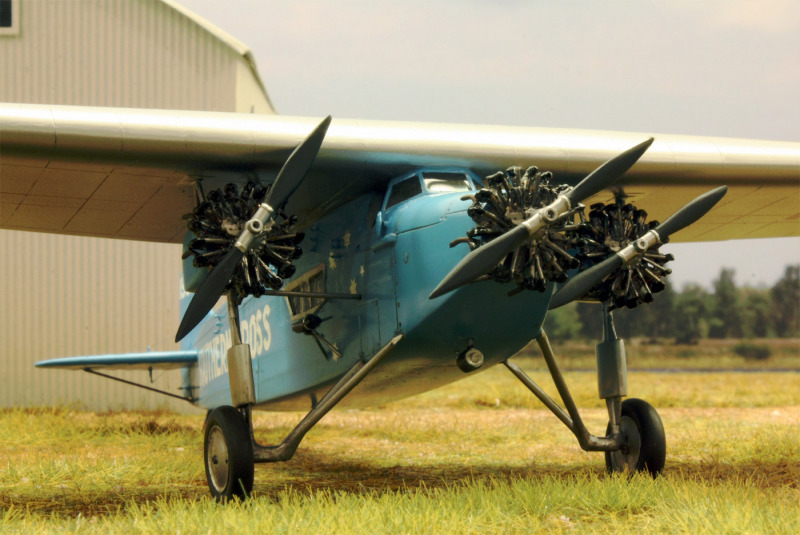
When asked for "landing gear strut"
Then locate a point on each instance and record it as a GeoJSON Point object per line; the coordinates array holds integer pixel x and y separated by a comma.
{"type": "Point", "coordinates": [635, 439]}
{"type": "Point", "coordinates": [230, 447]}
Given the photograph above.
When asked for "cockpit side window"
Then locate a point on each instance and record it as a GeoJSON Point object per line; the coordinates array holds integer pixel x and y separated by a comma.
{"type": "Point", "coordinates": [438, 182]}
{"type": "Point", "coordinates": [403, 190]}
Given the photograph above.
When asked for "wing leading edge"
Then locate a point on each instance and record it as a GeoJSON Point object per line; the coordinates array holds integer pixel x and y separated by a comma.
{"type": "Point", "coordinates": [128, 173]}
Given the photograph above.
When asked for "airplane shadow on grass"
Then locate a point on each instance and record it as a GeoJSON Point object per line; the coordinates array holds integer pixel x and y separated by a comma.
{"type": "Point", "coordinates": [309, 474]}
{"type": "Point", "coordinates": [312, 473]}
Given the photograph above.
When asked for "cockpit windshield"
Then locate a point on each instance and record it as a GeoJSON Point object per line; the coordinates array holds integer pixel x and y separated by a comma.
{"type": "Point", "coordinates": [403, 190]}
{"type": "Point", "coordinates": [418, 183]}
{"type": "Point", "coordinates": [441, 182]}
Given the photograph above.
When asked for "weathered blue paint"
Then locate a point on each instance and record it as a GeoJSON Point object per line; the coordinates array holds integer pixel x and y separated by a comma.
{"type": "Point", "coordinates": [392, 257]}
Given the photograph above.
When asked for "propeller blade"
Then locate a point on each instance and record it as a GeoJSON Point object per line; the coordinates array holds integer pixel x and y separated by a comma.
{"type": "Point", "coordinates": [297, 165]}
{"type": "Point", "coordinates": [691, 212]}
{"type": "Point", "coordinates": [288, 180]}
{"type": "Point", "coordinates": [583, 282]}
{"type": "Point", "coordinates": [484, 258]}
{"type": "Point", "coordinates": [608, 173]}
{"type": "Point", "coordinates": [481, 260]}
{"type": "Point", "coordinates": [208, 292]}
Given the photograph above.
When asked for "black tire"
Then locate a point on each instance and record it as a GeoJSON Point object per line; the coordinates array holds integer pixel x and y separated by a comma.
{"type": "Point", "coordinates": [645, 446]}
{"type": "Point", "coordinates": [228, 454]}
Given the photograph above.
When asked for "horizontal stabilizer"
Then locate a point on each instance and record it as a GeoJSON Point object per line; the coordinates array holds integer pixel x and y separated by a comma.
{"type": "Point", "coordinates": [156, 360]}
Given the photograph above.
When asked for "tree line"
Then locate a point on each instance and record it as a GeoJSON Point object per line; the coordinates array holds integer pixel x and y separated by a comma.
{"type": "Point", "coordinates": [694, 313]}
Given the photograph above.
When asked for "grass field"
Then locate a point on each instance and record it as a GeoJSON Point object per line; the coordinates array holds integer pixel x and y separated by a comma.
{"type": "Point", "coordinates": [479, 456]}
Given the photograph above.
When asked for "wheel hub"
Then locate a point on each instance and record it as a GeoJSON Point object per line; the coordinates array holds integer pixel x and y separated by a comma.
{"type": "Point", "coordinates": [627, 457]}
{"type": "Point", "coordinates": [217, 459]}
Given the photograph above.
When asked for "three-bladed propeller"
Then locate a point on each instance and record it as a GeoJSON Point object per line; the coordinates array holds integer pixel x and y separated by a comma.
{"type": "Point", "coordinates": [486, 257]}
{"type": "Point", "coordinates": [583, 282]}
{"type": "Point", "coordinates": [289, 178]}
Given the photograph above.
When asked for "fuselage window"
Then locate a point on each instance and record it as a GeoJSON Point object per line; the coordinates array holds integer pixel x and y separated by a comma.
{"type": "Point", "coordinates": [311, 281]}
{"type": "Point", "coordinates": [401, 191]}
{"type": "Point", "coordinates": [5, 13]}
{"type": "Point", "coordinates": [9, 13]}
{"type": "Point", "coordinates": [445, 182]}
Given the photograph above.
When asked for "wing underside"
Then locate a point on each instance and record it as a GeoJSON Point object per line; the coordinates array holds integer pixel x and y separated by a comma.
{"type": "Point", "coordinates": [125, 173]}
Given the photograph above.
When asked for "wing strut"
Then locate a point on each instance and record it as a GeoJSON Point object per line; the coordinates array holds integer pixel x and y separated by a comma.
{"type": "Point", "coordinates": [189, 398]}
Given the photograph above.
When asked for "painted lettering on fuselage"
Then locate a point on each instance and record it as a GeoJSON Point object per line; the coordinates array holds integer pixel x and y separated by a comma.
{"type": "Point", "coordinates": [256, 331]}
{"type": "Point", "coordinates": [213, 358]}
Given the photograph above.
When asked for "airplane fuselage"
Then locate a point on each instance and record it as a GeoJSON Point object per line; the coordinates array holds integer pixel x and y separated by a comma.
{"type": "Point", "coordinates": [392, 257]}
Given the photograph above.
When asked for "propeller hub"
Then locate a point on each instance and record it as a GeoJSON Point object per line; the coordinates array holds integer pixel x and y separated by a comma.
{"type": "Point", "coordinates": [552, 212]}
{"type": "Point", "coordinates": [255, 227]}
{"type": "Point", "coordinates": [647, 241]}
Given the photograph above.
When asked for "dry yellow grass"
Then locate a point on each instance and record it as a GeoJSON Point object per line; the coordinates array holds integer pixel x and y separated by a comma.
{"type": "Point", "coordinates": [477, 456]}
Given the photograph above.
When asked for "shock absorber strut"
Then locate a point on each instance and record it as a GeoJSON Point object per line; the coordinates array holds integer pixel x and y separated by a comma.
{"type": "Point", "coordinates": [612, 369]}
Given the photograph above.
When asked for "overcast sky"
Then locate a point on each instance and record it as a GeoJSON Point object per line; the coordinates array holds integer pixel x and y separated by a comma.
{"type": "Point", "coordinates": [719, 68]}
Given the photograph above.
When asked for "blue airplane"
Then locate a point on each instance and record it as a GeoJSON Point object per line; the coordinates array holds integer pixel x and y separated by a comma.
{"type": "Point", "coordinates": [363, 262]}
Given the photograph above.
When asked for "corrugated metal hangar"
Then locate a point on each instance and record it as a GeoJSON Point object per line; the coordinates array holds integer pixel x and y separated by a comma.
{"type": "Point", "coordinates": [90, 295]}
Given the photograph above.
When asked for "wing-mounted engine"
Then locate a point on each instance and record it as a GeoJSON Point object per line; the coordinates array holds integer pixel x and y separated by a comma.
{"type": "Point", "coordinates": [573, 240]}
{"type": "Point", "coordinates": [219, 219]}
{"type": "Point", "coordinates": [608, 229]}
{"type": "Point", "coordinates": [531, 231]}
{"type": "Point", "coordinates": [535, 222]}
{"type": "Point", "coordinates": [508, 199]}
{"type": "Point", "coordinates": [628, 276]}
{"type": "Point", "coordinates": [248, 249]}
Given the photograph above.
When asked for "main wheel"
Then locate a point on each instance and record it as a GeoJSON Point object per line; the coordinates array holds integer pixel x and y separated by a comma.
{"type": "Point", "coordinates": [228, 454]}
{"type": "Point", "coordinates": [645, 445]}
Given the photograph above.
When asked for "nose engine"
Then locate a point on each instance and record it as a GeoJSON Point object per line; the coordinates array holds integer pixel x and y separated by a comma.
{"type": "Point", "coordinates": [508, 199]}
{"type": "Point", "coordinates": [575, 240]}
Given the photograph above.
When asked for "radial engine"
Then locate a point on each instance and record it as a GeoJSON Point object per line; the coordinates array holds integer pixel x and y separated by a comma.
{"type": "Point", "coordinates": [578, 240]}
{"type": "Point", "coordinates": [215, 224]}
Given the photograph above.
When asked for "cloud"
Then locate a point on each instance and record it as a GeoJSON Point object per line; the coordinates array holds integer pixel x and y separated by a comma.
{"type": "Point", "coordinates": [768, 17]}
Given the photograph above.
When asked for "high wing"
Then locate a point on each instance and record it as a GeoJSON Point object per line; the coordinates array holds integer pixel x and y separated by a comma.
{"type": "Point", "coordinates": [129, 173]}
